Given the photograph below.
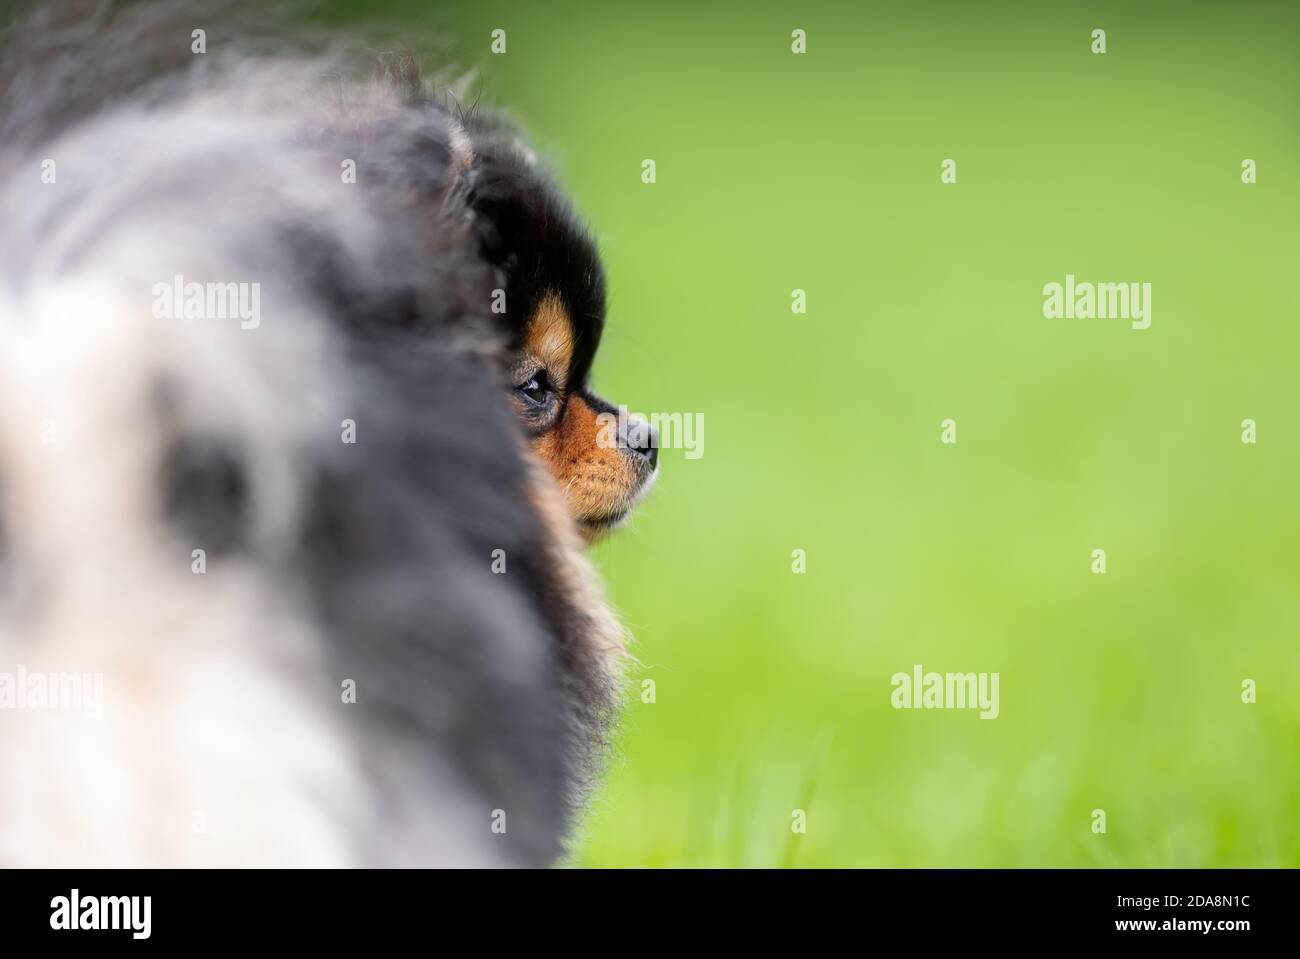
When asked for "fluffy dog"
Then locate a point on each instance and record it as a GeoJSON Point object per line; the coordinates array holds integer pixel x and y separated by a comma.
{"type": "Point", "coordinates": [340, 613]}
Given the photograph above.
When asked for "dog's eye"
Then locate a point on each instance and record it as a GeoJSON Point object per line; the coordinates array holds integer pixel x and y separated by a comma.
{"type": "Point", "coordinates": [536, 390]}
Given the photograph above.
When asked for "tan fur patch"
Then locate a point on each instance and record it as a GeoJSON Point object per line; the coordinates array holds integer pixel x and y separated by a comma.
{"type": "Point", "coordinates": [550, 338]}
{"type": "Point", "coordinates": [597, 481]}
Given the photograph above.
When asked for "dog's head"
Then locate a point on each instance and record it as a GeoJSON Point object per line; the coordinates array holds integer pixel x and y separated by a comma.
{"type": "Point", "coordinates": [552, 300]}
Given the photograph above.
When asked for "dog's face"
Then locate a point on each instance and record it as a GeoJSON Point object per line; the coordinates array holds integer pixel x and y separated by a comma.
{"type": "Point", "coordinates": [554, 306]}
{"type": "Point", "coordinates": [604, 466]}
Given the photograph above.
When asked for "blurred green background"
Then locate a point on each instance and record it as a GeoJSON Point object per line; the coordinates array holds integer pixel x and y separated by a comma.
{"type": "Point", "coordinates": [822, 431]}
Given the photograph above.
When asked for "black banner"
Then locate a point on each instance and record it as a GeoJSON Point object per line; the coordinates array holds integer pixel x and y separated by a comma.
{"type": "Point", "coordinates": [233, 908]}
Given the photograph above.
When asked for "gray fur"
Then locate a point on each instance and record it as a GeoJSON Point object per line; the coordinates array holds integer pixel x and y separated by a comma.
{"type": "Point", "coordinates": [326, 562]}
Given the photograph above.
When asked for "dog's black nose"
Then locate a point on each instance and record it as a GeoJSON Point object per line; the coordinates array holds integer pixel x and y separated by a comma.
{"type": "Point", "coordinates": [642, 438]}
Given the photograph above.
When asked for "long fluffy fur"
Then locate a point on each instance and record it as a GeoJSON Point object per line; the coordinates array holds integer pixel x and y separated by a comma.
{"type": "Point", "coordinates": [224, 739]}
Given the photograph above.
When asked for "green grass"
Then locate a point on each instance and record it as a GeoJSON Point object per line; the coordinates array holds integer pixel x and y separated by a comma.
{"type": "Point", "coordinates": [821, 172]}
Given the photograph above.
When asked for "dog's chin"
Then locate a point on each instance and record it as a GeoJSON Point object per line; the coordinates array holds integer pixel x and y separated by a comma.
{"type": "Point", "coordinates": [596, 528]}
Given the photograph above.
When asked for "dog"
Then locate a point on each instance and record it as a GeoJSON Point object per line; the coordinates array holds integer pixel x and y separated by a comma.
{"type": "Point", "coordinates": [553, 306]}
{"type": "Point", "coordinates": [260, 481]}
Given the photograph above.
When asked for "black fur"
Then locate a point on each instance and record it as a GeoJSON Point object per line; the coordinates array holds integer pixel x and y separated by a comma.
{"type": "Point", "coordinates": [528, 229]}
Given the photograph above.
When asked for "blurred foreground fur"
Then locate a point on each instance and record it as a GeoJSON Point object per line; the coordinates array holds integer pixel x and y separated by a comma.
{"type": "Point", "coordinates": [127, 441]}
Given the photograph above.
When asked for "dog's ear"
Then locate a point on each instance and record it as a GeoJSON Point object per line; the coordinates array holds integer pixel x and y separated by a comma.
{"type": "Point", "coordinates": [528, 231]}
{"type": "Point", "coordinates": [504, 204]}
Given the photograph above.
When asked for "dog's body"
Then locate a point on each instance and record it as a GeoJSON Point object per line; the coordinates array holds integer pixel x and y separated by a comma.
{"type": "Point", "coordinates": [390, 649]}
